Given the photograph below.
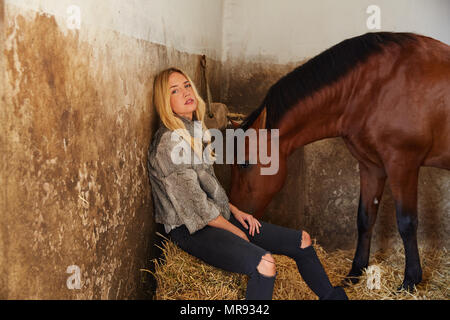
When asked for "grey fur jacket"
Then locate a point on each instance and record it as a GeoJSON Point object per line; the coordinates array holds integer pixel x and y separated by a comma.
{"type": "Point", "coordinates": [188, 194]}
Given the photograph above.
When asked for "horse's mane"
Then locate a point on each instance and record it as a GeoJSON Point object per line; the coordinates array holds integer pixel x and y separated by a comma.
{"type": "Point", "coordinates": [320, 71]}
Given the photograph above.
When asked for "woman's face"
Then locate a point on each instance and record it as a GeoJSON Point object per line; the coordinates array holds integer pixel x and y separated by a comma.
{"type": "Point", "coordinates": [182, 97]}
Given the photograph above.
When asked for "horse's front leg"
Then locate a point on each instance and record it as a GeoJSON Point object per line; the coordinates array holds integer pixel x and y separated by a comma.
{"type": "Point", "coordinates": [403, 182]}
{"type": "Point", "coordinates": [372, 180]}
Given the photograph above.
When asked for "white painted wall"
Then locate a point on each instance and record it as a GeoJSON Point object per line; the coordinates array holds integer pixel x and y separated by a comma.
{"type": "Point", "coordinates": [280, 30]}
{"type": "Point", "coordinates": [192, 26]}
{"type": "Point", "coordinates": [291, 30]}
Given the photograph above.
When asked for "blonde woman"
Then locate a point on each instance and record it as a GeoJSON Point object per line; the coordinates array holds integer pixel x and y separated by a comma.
{"type": "Point", "coordinates": [194, 208]}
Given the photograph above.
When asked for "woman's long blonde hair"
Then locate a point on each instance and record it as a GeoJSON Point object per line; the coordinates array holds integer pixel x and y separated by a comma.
{"type": "Point", "coordinates": [161, 100]}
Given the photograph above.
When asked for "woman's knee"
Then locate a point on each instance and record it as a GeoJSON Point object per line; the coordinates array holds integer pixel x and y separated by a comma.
{"type": "Point", "coordinates": [267, 266]}
{"type": "Point", "coordinates": [306, 240]}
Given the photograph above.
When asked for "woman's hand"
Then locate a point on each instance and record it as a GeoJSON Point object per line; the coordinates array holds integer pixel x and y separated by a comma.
{"type": "Point", "coordinates": [222, 223]}
{"type": "Point", "coordinates": [247, 220]}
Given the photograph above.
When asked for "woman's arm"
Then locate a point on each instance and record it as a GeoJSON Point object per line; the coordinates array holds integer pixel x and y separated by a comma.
{"type": "Point", "coordinates": [222, 223]}
{"type": "Point", "coordinates": [247, 220]}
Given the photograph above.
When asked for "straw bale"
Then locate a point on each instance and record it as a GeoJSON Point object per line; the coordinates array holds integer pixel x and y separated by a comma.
{"type": "Point", "coordinates": [182, 276]}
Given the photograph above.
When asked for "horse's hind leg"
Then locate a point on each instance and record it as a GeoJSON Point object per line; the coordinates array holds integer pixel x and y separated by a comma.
{"type": "Point", "coordinates": [372, 180]}
{"type": "Point", "coordinates": [403, 181]}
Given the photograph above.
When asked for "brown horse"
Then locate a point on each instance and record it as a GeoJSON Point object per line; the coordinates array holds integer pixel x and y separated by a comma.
{"type": "Point", "coordinates": [388, 96]}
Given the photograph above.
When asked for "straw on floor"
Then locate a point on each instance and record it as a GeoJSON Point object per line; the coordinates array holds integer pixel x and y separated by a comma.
{"type": "Point", "coordinates": [182, 276]}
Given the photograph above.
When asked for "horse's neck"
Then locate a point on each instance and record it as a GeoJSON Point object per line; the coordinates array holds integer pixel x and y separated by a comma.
{"type": "Point", "coordinates": [314, 118]}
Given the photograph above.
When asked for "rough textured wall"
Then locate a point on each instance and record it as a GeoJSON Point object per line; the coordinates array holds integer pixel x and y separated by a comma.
{"type": "Point", "coordinates": [3, 173]}
{"type": "Point", "coordinates": [321, 193]}
{"type": "Point", "coordinates": [77, 129]}
{"type": "Point", "coordinates": [77, 120]}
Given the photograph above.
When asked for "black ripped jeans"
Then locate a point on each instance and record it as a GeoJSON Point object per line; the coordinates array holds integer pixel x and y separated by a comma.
{"type": "Point", "coordinates": [225, 250]}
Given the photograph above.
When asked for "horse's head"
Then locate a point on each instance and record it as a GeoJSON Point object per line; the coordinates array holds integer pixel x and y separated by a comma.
{"type": "Point", "coordinates": [261, 176]}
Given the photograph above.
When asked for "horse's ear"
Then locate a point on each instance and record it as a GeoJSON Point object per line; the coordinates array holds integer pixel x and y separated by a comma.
{"type": "Point", "coordinates": [235, 124]}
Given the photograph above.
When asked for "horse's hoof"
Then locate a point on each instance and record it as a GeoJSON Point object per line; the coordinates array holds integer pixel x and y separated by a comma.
{"type": "Point", "coordinates": [408, 286]}
{"type": "Point", "coordinates": [351, 278]}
